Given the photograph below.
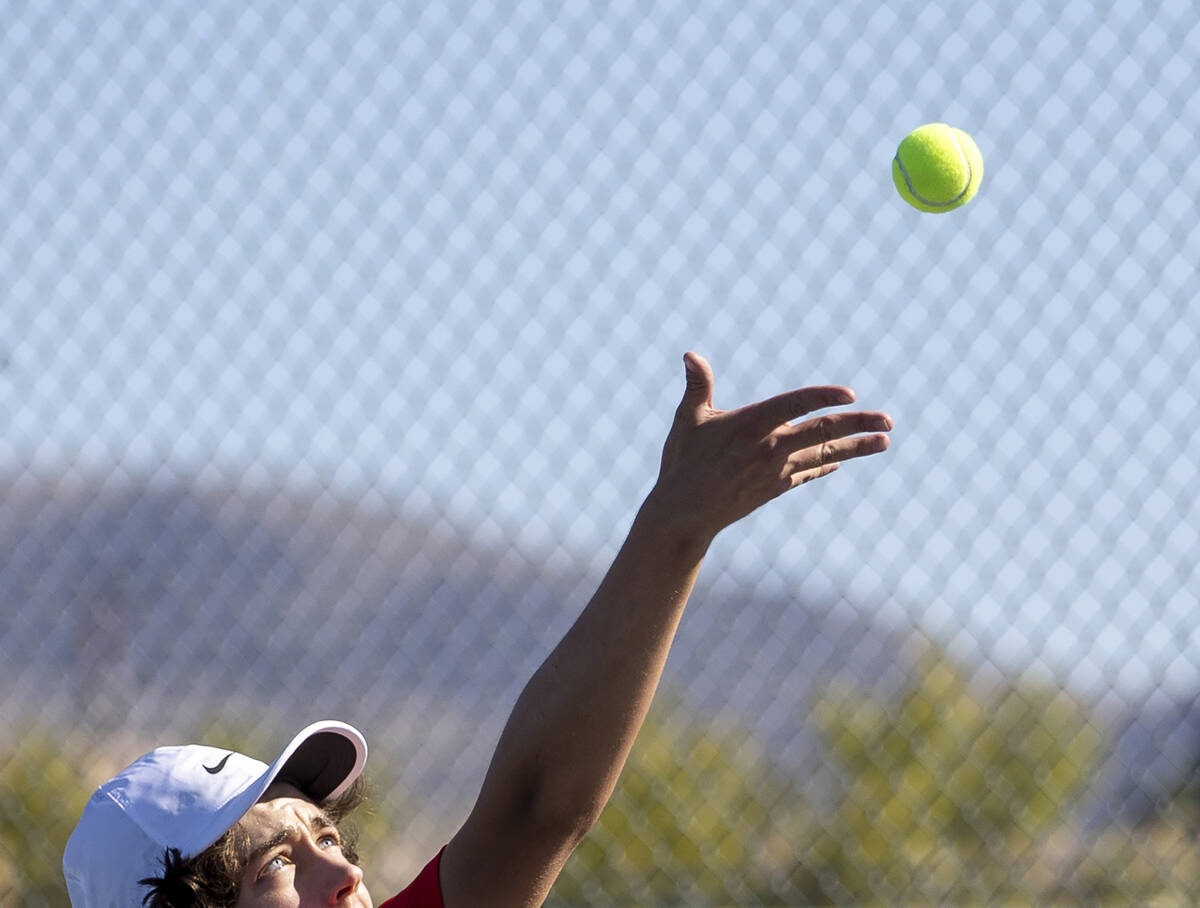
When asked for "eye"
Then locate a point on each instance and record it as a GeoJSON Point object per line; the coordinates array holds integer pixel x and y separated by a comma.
{"type": "Point", "coordinates": [274, 865]}
{"type": "Point", "coordinates": [329, 840]}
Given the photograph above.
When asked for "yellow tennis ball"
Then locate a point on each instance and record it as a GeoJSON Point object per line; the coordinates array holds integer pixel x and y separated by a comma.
{"type": "Point", "coordinates": [937, 168]}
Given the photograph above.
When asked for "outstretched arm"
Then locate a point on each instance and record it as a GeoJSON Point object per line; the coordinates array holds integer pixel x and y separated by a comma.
{"type": "Point", "coordinates": [571, 730]}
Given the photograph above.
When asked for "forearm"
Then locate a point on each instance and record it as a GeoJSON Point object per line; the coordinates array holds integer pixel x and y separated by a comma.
{"type": "Point", "coordinates": [575, 722]}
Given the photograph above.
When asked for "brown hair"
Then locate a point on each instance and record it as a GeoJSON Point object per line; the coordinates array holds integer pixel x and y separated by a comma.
{"type": "Point", "coordinates": [212, 878]}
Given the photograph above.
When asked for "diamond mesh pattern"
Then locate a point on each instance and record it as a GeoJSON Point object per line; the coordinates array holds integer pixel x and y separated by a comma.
{"type": "Point", "coordinates": [339, 341]}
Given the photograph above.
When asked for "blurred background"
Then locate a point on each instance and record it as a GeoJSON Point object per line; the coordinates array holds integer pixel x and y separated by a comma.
{"type": "Point", "coordinates": [339, 341]}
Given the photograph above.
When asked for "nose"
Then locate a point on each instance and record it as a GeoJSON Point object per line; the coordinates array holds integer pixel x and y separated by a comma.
{"type": "Point", "coordinates": [340, 879]}
{"type": "Point", "coordinates": [349, 884]}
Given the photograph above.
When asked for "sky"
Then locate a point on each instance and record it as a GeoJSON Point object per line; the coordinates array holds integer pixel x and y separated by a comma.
{"type": "Point", "coordinates": [447, 258]}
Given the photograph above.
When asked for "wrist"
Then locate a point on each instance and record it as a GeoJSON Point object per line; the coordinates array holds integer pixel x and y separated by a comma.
{"type": "Point", "coordinates": [672, 527]}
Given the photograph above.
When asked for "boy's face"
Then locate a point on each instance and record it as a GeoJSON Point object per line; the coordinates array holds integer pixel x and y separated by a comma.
{"type": "Point", "coordinates": [296, 858]}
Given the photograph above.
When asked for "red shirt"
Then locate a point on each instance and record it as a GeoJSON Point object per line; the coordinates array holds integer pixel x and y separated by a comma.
{"type": "Point", "coordinates": [423, 892]}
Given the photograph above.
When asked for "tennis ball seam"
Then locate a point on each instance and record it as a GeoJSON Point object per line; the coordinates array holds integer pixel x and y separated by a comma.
{"type": "Point", "coordinates": [939, 204]}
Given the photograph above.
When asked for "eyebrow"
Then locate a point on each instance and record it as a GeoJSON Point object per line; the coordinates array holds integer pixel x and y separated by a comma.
{"type": "Point", "coordinates": [317, 822]}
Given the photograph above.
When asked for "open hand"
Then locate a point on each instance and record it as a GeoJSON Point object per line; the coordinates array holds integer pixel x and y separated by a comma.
{"type": "Point", "coordinates": [719, 465]}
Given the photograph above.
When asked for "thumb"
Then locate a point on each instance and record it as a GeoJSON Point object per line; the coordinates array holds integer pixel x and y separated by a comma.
{"type": "Point", "coordinates": [698, 392]}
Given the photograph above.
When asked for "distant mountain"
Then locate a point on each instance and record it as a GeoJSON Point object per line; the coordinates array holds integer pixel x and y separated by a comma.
{"type": "Point", "coordinates": [151, 607]}
{"type": "Point", "coordinates": [149, 610]}
{"type": "Point", "coordinates": [121, 595]}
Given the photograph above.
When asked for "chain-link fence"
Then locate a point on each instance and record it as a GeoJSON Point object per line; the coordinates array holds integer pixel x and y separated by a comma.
{"type": "Point", "coordinates": [339, 341]}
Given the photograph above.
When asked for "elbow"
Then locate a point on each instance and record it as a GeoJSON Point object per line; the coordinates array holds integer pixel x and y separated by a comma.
{"type": "Point", "coordinates": [575, 824]}
{"type": "Point", "coordinates": [562, 816]}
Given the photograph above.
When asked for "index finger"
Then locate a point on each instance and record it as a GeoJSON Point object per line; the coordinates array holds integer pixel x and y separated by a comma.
{"type": "Point", "coordinates": [768, 415]}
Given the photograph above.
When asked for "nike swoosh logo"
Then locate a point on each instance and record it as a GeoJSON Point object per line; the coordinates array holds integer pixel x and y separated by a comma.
{"type": "Point", "coordinates": [213, 770]}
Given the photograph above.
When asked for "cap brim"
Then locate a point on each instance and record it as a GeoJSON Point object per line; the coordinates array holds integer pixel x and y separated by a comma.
{"type": "Point", "coordinates": [322, 761]}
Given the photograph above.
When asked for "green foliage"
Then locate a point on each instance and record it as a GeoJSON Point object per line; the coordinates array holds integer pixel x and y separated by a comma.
{"type": "Point", "coordinates": [949, 795]}
{"type": "Point", "coordinates": [690, 823]}
{"type": "Point", "coordinates": [42, 793]}
{"type": "Point", "coordinates": [949, 792]}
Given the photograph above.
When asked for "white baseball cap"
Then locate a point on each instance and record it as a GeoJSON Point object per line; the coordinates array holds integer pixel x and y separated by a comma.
{"type": "Point", "coordinates": [187, 797]}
